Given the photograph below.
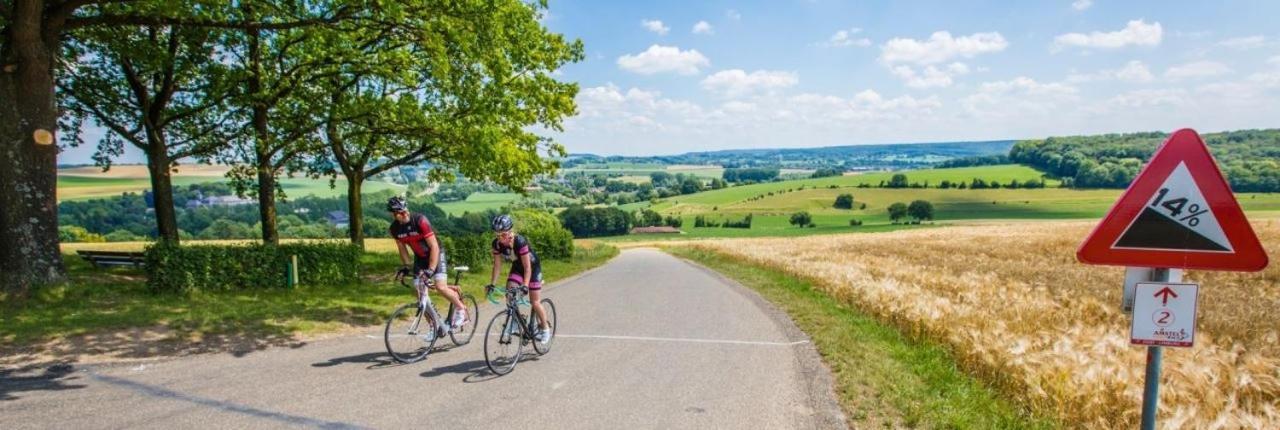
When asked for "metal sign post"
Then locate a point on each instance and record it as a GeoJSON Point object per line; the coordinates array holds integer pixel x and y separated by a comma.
{"type": "Point", "coordinates": [1155, 354]}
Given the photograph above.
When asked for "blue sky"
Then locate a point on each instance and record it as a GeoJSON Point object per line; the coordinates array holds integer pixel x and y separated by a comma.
{"type": "Point", "coordinates": [817, 73]}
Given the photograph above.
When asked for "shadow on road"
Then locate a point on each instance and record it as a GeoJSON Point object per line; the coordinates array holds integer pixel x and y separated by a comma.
{"type": "Point", "coordinates": [54, 378]}
{"type": "Point", "coordinates": [376, 360]}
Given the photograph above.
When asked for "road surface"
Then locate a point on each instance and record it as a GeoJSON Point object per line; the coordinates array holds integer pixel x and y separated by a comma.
{"type": "Point", "coordinates": [646, 341]}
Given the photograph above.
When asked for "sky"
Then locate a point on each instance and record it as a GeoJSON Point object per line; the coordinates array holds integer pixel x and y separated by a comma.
{"type": "Point", "coordinates": [668, 77]}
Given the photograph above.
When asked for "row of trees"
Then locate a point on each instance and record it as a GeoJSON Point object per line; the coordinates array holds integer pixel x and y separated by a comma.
{"type": "Point", "coordinates": [1250, 159]}
{"type": "Point", "coordinates": [920, 210]}
{"type": "Point", "coordinates": [320, 88]}
{"type": "Point", "coordinates": [751, 174]}
{"type": "Point", "coordinates": [899, 180]}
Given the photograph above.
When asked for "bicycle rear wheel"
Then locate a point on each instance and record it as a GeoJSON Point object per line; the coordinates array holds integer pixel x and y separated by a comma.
{"type": "Point", "coordinates": [409, 334]}
{"type": "Point", "coordinates": [550, 308]}
{"type": "Point", "coordinates": [462, 336]}
{"type": "Point", "coordinates": [502, 343]}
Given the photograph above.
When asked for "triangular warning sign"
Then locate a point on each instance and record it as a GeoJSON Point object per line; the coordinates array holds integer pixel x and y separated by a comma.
{"type": "Point", "coordinates": [1178, 213]}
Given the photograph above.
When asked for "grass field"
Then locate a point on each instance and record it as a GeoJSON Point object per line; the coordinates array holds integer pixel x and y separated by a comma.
{"type": "Point", "coordinates": [884, 379]}
{"type": "Point", "coordinates": [642, 170]}
{"type": "Point", "coordinates": [480, 202]}
{"type": "Point", "coordinates": [1016, 309]}
{"type": "Point", "coordinates": [87, 315]}
{"type": "Point", "coordinates": [77, 187]}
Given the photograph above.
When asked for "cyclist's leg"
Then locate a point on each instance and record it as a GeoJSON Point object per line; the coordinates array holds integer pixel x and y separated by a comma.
{"type": "Point", "coordinates": [535, 300]}
{"type": "Point", "coordinates": [441, 278]}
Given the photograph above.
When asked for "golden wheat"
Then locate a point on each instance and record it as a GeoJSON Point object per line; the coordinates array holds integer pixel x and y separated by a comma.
{"type": "Point", "coordinates": [1018, 310]}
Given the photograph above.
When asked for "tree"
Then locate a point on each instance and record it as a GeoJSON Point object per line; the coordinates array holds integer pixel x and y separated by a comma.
{"type": "Point", "coordinates": [801, 219]}
{"type": "Point", "coordinates": [156, 88]}
{"type": "Point", "coordinates": [844, 201]}
{"type": "Point", "coordinates": [921, 210]}
{"type": "Point", "coordinates": [897, 211]}
{"type": "Point", "coordinates": [690, 185]}
{"type": "Point", "coordinates": [32, 56]}
{"type": "Point", "coordinates": [898, 181]}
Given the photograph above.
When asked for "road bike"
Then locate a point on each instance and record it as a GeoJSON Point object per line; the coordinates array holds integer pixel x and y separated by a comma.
{"type": "Point", "coordinates": [412, 330]}
{"type": "Point", "coordinates": [509, 331]}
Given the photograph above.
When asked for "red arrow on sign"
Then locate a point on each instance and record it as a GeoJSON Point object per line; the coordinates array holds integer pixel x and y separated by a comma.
{"type": "Point", "coordinates": [1166, 292]}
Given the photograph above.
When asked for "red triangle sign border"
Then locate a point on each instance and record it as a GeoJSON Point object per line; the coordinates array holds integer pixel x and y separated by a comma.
{"type": "Point", "coordinates": [1244, 252]}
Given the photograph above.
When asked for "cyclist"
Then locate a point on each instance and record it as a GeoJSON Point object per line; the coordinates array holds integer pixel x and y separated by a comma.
{"type": "Point", "coordinates": [526, 270]}
{"type": "Point", "coordinates": [413, 231]}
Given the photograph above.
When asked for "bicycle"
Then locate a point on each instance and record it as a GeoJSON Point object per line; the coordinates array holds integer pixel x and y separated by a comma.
{"type": "Point", "coordinates": [405, 336]}
{"type": "Point", "coordinates": [509, 329]}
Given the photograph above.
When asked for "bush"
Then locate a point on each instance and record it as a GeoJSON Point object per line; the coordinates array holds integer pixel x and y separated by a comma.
{"type": "Point", "coordinates": [802, 219]}
{"type": "Point", "coordinates": [172, 268]}
{"type": "Point", "coordinates": [593, 222]}
{"type": "Point", "coordinates": [855, 222]}
{"type": "Point", "coordinates": [73, 233]}
{"type": "Point", "coordinates": [123, 236]}
{"type": "Point", "coordinates": [467, 249]}
{"type": "Point", "coordinates": [844, 201]}
{"type": "Point", "coordinates": [550, 239]}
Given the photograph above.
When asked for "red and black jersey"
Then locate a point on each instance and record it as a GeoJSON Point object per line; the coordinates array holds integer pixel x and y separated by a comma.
{"type": "Point", "coordinates": [414, 234]}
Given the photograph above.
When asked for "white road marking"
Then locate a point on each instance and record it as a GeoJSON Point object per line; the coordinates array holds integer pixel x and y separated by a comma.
{"type": "Point", "coordinates": [664, 339]}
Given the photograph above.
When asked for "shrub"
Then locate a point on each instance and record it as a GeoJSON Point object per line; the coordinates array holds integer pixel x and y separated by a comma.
{"type": "Point", "coordinates": [801, 219]}
{"type": "Point", "coordinates": [844, 201]}
{"type": "Point", "coordinates": [855, 222]}
{"type": "Point", "coordinates": [549, 238]}
{"type": "Point", "coordinates": [172, 268]}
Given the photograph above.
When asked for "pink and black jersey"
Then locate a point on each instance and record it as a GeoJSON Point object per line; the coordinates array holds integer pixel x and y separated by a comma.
{"type": "Point", "coordinates": [519, 247]}
{"type": "Point", "coordinates": [414, 234]}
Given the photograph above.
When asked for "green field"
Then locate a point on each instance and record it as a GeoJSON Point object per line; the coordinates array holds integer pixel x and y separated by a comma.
{"type": "Point", "coordinates": [642, 170]}
{"type": "Point", "coordinates": [771, 213]}
{"type": "Point", "coordinates": [480, 202]}
{"type": "Point", "coordinates": [75, 187]}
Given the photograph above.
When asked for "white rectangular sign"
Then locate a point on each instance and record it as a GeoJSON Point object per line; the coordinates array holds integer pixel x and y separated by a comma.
{"type": "Point", "coordinates": [1164, 314]}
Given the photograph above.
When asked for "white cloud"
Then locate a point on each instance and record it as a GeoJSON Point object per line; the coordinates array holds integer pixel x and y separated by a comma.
{"type": "Point", "coordinates": [1137, 32]}
{"type": "Point", "coordinates": [703, 27]}
{"type": "Point", "coordinates": [1133, 71]}
{"type": "Point", "coordinates": [736, 82]}
{"type": "Point", "coordinates": [845, 38]}
{"type": "Point", "coordinates": [655, 26]}
{"type": "Point", "coordinates": [1244, 43]}
{"type": "Point", "coordinates": [660, 59]}
{"type": "Point", "coordinates": [1274, 61]}
{"type": "Point", "coordinates": [930, 76]}
{"type": "Point", "coordinates": [1019, 99]}
{"type": "Point", "coordinates": [940, 47]}
{"type": "Point", "coordinates": [1196, 70]}
{"type": "Point", "coordinates": [1148, 98]}
{"type": "Point", "coordinates": [1081, 4]}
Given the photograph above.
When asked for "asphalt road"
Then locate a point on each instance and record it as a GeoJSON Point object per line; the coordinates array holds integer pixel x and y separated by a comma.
{"type": "Point", "coordinates": [646, 341]}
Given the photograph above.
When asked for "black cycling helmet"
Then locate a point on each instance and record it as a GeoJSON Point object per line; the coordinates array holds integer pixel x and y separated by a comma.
{"type": "Point", "coordinates": [502, 223]}
{"type": "Point", "coordinates": [397, 204]}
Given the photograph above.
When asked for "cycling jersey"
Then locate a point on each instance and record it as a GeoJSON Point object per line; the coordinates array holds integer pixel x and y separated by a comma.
{"type": "Point", "coordinates": [520, 247]}
{"type": "Point", "coordinates": [414, 234]}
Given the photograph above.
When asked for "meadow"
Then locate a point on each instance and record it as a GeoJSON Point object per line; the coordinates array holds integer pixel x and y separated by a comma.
{"type": "Point", "coordinates": [480, 202]}
{"type": "Point", "coordinates": [1016, 309]}
{"type": "Point", "coordinates": [82, 183]}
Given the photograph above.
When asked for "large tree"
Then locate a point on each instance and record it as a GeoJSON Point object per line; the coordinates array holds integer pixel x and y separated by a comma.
{"type": "Point", "coordinates": [31, 54]}
{"type": "Point", "coordinates": [159, 88]}
{"type": "Point", "coordinates": [458, 85]}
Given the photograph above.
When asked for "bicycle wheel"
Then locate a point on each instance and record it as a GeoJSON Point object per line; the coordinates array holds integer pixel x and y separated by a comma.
{"type": "Point", "coordinates": [410, 334]}
{"type": "Point", "coordinates": [550, 308]}
{"type": "Point", "coordinates": [502, 345]}
{"type": "Point", "coordinates": [462, 336]}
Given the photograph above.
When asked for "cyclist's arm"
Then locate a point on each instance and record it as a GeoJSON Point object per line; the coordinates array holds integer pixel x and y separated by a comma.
{"type": "Point", "coordinates": [528, 268]}
{"type": "Point", "coordinates": [433, 256]}
{"type": "Point", "coordinates": [404, 253]}
{"type": "Point", "coordinates": [497, 265]}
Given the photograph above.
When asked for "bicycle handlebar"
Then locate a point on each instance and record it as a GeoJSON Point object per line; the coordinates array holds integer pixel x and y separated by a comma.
{"type": "Point", "coordinates": [493, 292]}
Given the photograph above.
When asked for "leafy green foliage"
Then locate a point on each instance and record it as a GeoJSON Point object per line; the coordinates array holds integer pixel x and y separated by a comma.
{"type": "Point", "coordinates": [897, 211]}
{"type": "Point", "coordinates": [549, 238]}
{"type": "Point", "coordinates": [801, 219]}
{"type": "Point", "coordinates": [750, 174]}
{"type": "Point", "coordinates": [593, 222]}
{"type": "Point", "coordinates": [844, 201]}
{"type": "Point", "coordinates": [172, 268]}
{"type": "Point", "coordinates": [921, 210]}
{"type": "Point", "coordinates": [1250, 159]}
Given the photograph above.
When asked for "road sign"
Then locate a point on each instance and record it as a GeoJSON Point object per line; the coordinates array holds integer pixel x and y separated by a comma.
{"type": "Point", "coordinates": [1178, 213]}
{"type": "Point", "coordinates": [1164, 314]}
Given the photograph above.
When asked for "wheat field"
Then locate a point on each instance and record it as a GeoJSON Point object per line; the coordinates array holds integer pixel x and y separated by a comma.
{"type": "Point", "coordinates": [1016, 309]}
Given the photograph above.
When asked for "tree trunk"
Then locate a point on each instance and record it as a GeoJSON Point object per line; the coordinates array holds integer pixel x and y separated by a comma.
{"type": "Point", "coordinates": [355, 227]}
{"type": "Point", "coordinates": [29, 253]}
{"type": "Point", "coordinates": [267, 205]}
{"type": "Point", "coordinates": [162, 192]}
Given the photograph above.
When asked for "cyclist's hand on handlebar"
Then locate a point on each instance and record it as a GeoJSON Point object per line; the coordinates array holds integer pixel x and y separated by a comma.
{"type": "Point", "coordinates": [404, 271]}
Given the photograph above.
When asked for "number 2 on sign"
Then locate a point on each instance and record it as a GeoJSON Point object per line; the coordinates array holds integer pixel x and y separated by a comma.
{"type": "Point", "coordinates": [1164, 318]}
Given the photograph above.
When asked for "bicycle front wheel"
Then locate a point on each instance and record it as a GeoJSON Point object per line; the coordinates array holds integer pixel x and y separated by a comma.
{"type": "Point", "coordinates": [502, 343]}
{"type": "Point", "coordinates": [462, 336]}
{"type": "Point", "coordinates": [409, 334]}
{"type": "Point", "coordinates": [550, 308]}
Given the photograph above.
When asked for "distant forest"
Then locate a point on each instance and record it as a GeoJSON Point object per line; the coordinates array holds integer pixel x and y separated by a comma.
{"type": "Point", "coordinates": [1250, 159]}
{"type": "Point", "coordinates": [847, 158]}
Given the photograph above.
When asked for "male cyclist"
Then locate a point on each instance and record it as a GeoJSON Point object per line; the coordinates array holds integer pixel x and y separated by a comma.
{"type": "Point", "coordinates": [526, 270]}
{"type": "Point", "coordinates": [413, 231]}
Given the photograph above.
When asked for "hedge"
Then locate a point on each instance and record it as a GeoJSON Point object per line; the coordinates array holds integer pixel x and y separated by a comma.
{"type": "Point", "coordinates": [174, 268]}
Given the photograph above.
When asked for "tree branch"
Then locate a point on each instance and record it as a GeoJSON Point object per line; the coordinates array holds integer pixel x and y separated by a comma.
{"type": "Point", "coordinates": [109, 20]}
{"type": "Point", "coordinates": [411, 157]}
